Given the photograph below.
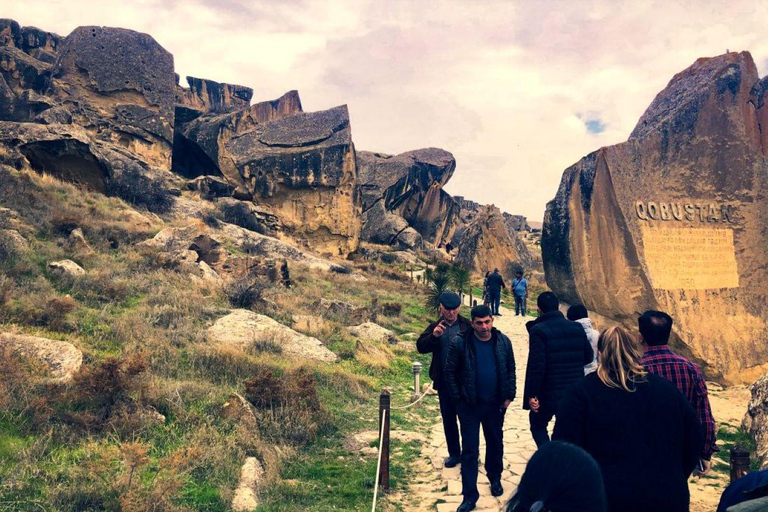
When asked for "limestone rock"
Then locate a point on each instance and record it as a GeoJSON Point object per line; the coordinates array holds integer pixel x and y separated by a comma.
{"type": "Point", "coordinates": [209, 96]}
{"type": "Point", "coordinates": [59, 359]}
{"type": "Point", "coordinates": [211, 187]}
{"type": "Point", "coordinates": [66, 267]}
{"type": "Point", "coordinates": [250, 216]}
{"type": "Point", "coordinates": [488, 243]}
{"type": "Point", "coordinates": [122, 83]}
{"type": "Point", "coordinates": [409, 187]}
{"type": "Point", "coordinates": [245, 495]}
{"type": "Point", "coordinates": [78, 242]}
{"type": "Point", "coordinates": [243, 329]}
{"type": "Point", "coordinates": [13, 241]}
{"type": "Point", "coordinates": [756, 419]}
{"type": "Point", "coordinates": [373, 332]}
{"type": "Point", "coordinates": [344, 311]}
{"type": "Point", "coordinates": [308, 323]}
{"type": "Point", "coordinates": [673, 219]}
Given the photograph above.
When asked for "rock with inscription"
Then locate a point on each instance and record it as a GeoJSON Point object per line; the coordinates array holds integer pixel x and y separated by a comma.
{"type": "Point", "coordinates": [674, 219]}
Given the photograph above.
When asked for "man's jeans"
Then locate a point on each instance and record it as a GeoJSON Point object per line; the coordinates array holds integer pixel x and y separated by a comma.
{"type": "Point", "coordinates": [539, 421]}
{"type": "Point", "coordinates": [520, 305]}
{"type": "Point", "coordinates": [494, 297]}
{"type": "Point", "coordinates": [491, 417]}
{"type": "Point", "coordinates": [450, 423]}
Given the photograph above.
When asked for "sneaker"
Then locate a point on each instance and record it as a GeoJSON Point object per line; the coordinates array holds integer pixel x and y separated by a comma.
{"type": "Point", "coordinates": [496, 488]}
{"type": "Point", "coordinates": [452, 461]}
{"type": "Point", "coordinates": [466, 505]}
{"type": "Point", "coordinates": [498, 314]}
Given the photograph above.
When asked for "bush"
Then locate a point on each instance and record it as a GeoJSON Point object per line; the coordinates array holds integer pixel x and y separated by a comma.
{"type": "Point", "coordinates": [244, 293]}
{"type": "Point", "coordinates": [391, 309]}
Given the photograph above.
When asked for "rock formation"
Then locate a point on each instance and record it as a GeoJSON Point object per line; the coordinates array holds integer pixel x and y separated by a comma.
{"type": "Point", "coordinates": [756, 420]}
{"type": "Point", "coordinates": [403, 199]}
{"type": "Point", "coordinates": [673, 219]}
{"type": "Point", "coordinates": [488, 243]}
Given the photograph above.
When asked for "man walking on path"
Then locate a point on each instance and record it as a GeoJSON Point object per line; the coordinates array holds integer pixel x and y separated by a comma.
{"type": "Point", "coordinates": [559, 349]}
{"type": "Point", "coordinates": [520, 290]}
{"type": "Point", "coordinates": [435, 340]}
{"type": "Point", "coordinates": [495, 284]}
{"type": "Point", "coordinates": [655, 328]}
{"type": "Point", "coordinates": [480, 376]}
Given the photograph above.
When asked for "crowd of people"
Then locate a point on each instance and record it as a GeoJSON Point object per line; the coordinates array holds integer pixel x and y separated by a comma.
{"type": "Point", "coordinates": [632, 418]}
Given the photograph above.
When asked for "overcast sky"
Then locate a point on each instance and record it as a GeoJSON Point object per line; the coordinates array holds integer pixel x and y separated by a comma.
{"type": "Point", "coordinates": [516, 90]}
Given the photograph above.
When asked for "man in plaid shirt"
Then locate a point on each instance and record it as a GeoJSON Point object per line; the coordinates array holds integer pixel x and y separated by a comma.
{"type": "Point", "coordinates": [655, 328]}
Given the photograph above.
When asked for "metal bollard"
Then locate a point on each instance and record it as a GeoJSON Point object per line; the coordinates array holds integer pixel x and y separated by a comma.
{"type": "Point", "coordinates": [416, 376]}
{"type": "Point", "coordinates": [739, 463]}
{"type": "Point", "coordinates": [384, 401]}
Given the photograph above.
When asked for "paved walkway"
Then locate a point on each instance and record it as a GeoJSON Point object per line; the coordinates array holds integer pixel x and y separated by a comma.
{"type": "Point", "coordinates": [434, 483]}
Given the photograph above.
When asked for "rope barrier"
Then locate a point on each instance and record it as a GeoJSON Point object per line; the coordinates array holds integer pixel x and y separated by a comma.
{"type": "Point", "coordinates": [378, 464]}
{"type": "Point", "coordinates": [425, 393]}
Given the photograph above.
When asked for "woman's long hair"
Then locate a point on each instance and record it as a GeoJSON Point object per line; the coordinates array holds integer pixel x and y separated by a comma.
{"type": "Point", "coordinates": [619, 356]}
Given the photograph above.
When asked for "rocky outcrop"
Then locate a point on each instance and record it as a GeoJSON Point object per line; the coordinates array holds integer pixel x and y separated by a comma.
{"type": "Point", "coordinates": [403, 199]}
{"type": "Point", "coordinates": [58, 359]}
{"type": "Point", "coordinates": [756, 420]}
{"type": "Point", "coordinates": [373, 332]}
{"type": "Point", "coordinates": [516, 222]}
{"type": "Point", "coordinates": [673, 219]}
{"type": "Point", "coordinates": [246, 330]}
{"type": "Point", "coordinates": [488, 243]}
{"type": "Point", "coordinates": [206, 96]}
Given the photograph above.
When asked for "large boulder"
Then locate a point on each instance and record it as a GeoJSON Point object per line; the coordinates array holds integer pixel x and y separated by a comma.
{"type": "Point", "coordinates": [121, 85]}
{"type": "Point", "coordinates": [57, 359]}
{"type": "Point", "coordinates": [407, 186]}
{"type": "Point", "coordinates": [246, 330]}
{"type": "Point", "coordinates": [673, 219]}
{"type": "Point", "coordinates": [488, 243]}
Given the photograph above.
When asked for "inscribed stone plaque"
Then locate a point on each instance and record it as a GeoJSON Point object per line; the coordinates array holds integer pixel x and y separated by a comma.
{"type": "Point", "coordinates": [690, 259]}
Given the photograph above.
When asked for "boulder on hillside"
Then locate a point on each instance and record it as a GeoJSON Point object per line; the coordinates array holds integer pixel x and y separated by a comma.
{"type": "Point", "coordinates": [673, 219]}
{"type": "Point", "coordinates": [488, 243]}
{"type": "Point", "coordinates": [121, 84]}
{"type": "Point", "coordinates": [373, 332]}
{"type": "Point", "coordinates": [245, 330]}
{"type": "Point", "coordinates": [756, 419]}
{"type": "Point", "coordinates": [59, 359]}
{"type": "Point", "coordinates": [409, 187]}
{"type": "Point", "coordinates": [66, 267]}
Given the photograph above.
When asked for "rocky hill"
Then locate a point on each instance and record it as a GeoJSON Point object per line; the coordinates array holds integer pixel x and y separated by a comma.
{"type": "Point", "coordinates": [673, 218]}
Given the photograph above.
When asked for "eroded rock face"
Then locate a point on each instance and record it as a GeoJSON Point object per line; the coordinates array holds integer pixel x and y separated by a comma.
{"type": "Point", "coordinates": [209, 96]}
{"type": "Point", "coordinates": [120, 85]}
{"type": "Point", "coordinates": [488, 243]}
{"type": "Point", "coordinates": [673, 219]}
{"type": "Point", "coordinates": [756, 419]}
{"type": "Point", "coordinates": [407, 187]}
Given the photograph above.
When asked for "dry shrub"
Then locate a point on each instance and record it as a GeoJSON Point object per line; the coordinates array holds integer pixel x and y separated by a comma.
{"type": "Point", "coordinates": [56, 312]}
{"type": "Point", "coordinates": [221, 364]}
{"type": "Point", "coordinates": [391, 309]}
{"type": "Point", "coordinates": [245, 293]}
{"type": "Point", "coordinates": [287, 405]}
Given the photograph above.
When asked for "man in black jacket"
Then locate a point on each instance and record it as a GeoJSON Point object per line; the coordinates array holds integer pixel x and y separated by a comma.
{"type": "Point", "coordinates": [495, 284]}
{"type": "Point", "coordinates": [480, 376]}
{"type": "Point", "coordinates": [559, 349]}
{"type": "Point", "coordinates": [435, 340]}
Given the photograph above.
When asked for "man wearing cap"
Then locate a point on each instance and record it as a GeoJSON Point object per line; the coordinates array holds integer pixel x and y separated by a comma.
{"type": "Point", "coordinates": [435, 340]}
{"type": "Point", "coordinates": [480, 377]}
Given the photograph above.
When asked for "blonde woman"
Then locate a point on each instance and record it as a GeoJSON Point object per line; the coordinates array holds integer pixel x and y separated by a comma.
{"type": "Point", "coordinates": [638, 427]}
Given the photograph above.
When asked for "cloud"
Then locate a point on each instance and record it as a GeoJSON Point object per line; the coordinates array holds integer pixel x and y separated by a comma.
{"type": "Point", "coordinates": [517, 91]}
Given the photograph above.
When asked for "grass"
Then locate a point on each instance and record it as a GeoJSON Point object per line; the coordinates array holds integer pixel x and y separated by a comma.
{"type": "Point", "coordinates": [728, 437]}
{"type": "Point", "coordinates": [57, 452]}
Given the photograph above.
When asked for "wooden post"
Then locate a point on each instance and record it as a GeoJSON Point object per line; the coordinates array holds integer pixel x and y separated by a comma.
{"type": "Point", "coordinates": [739, 463]}
{"type": "Point", "coordinates": [384, 400]}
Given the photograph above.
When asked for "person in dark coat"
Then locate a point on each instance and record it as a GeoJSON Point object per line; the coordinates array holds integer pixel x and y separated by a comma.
{"type": "Point", "coordinates": [495, 284]}
{"type": "Point", "coordinates": [559, 349]}
{"type": "Point", "coordinates": [480, 376]}
{"type": "Point", "coordinates": [638, 427]}
{"type": "Point", "coordinates": [435, 340]}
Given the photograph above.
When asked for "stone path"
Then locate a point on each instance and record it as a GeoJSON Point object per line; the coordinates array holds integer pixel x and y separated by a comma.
{"type": "Point", "coordinates": [432, 483]}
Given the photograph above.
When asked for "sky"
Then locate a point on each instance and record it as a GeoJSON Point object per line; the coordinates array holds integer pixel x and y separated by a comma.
{"type": "Point", "coordinates": [516, 90]}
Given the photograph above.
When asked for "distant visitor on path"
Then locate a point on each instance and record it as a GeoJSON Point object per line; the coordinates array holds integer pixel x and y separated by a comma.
{"type": "Point", "coordinates": [520, 291]}
{"type": "Point", "coordinates": [560, 477]}
{"type": "Point", "coordinates": [485, 288]}
{"type": "Point", "coordinates": [638, 427]}
{"type": "Point", "coordinates": [655, 328]}
{"type": "Point", "coordinates": [480, 376]}
{"type": "Point", "coordinates": [558, 351]}
{"type": "Point", "coordinates": [435, 340]}
{"type": "Point", "coordinates": [578, 313]}
{"type": "Point", "coordinates": [495, 284]}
